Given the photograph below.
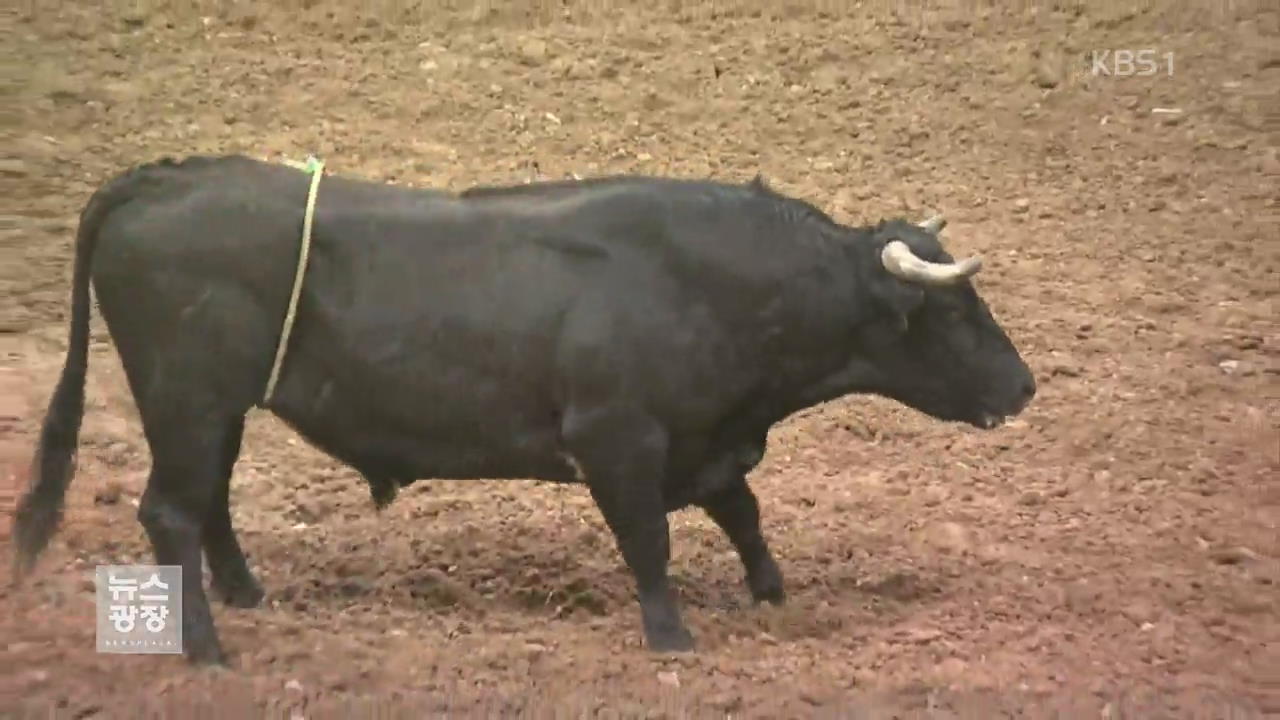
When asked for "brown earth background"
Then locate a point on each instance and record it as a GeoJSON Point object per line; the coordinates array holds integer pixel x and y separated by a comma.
{"type": "Point", "coordinates": [1114, 547]}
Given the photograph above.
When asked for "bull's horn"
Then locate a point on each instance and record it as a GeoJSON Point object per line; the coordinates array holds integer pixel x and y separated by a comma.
{"type": "Point", "coordinates": [900, 261]}
{"type": "Point", "coordinates": [934, 224]}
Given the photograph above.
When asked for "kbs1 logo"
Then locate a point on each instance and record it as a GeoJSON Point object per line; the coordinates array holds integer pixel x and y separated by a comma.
{"type": "Point", "coordinates": [1130, 63]}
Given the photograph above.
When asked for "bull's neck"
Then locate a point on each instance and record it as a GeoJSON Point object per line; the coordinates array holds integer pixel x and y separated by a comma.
{"type": "Point", "coordinates": [816, 357]}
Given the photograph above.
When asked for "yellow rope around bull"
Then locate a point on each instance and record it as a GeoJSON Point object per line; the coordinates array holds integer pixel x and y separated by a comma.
{"type": "Point", "coordinates": [316, 168]}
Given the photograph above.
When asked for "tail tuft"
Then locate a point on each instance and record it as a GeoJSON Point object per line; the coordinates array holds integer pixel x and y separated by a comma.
{"type": "Point", "coordinates": [38, 514]}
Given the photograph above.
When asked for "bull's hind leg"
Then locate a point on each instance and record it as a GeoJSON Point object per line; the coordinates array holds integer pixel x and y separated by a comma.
{"type": "Point", "coordinates": [232, 579]}
{"type": "Point", "coordinates": [194, 346]}
{"type": "Point", "coordinates": [737, 512]}
{"type": "Point", "coordinates": [188, 442]}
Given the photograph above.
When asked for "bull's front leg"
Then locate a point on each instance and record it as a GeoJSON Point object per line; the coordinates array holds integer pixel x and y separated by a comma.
{"type": "Point", "coordinates": [623, 457]}
{"type": "Point", "coordinates": [737, 512]}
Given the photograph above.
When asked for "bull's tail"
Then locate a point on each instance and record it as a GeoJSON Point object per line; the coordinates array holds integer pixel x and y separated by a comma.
{"type": "Point", "coordinates": [37, 515]}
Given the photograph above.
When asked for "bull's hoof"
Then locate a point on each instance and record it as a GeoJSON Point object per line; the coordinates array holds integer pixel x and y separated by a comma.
{"type": "Point", "coordinates": [216, 670]}
{"type": "Point", "coordinates": [206, 654]}
{"type": "Point", "coordinates": [765, 584]}
{"type": "Point", "coordinates": [673, 640]}
{"type": "Point", "coordinates": [242, 595]}
{"type": "Point", "coordinates": [383, 492]}
{"type": "Point", "coordinates": [772, 594]}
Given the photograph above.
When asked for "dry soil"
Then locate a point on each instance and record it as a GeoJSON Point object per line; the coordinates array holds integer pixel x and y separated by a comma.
{"type": "Point", "coordinates": [1115, 547]}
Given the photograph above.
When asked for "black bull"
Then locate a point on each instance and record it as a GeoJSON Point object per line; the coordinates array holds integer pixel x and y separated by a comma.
{"type": "Point", "coordinates": [638, 335]}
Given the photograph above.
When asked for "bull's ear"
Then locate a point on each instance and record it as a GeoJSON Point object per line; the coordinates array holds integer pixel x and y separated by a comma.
{"type": "Point", "coordinates": [896, 298]}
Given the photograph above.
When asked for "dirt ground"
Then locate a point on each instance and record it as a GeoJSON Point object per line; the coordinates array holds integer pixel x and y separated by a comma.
{"type": "Point", "coordinates": [1113, 551]}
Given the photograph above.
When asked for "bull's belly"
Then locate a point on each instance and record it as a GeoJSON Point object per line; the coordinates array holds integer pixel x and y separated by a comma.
{"type": "Point", "coordinates": [416, 458]}
{"type": "Point", "coordinates": [443, 441]}
{"type": "Point", "coordinates": [406, 457]}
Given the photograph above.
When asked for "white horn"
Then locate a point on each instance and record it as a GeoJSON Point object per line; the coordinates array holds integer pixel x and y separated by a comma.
{"type": "Point", "coordinates": [900, 261]}
{"type": "Point", "coordinates": [934, 224]}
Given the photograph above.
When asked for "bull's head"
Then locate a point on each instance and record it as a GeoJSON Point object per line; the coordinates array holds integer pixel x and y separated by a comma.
{"type": "Point", "coordinates": [934, 344]}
